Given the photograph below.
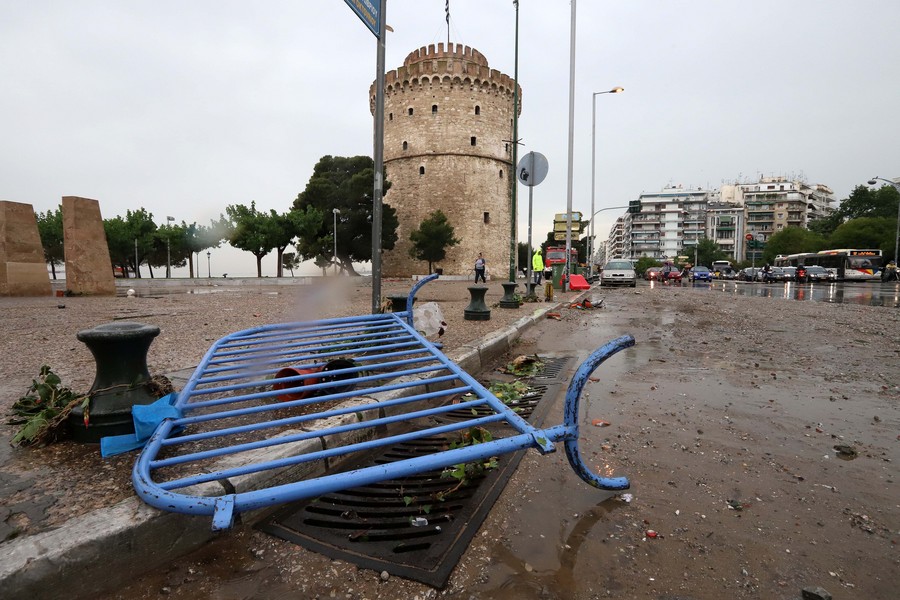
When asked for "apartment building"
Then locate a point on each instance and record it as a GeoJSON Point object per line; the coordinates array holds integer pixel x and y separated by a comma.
{"type": "Point", "coordinates": [673, 221]}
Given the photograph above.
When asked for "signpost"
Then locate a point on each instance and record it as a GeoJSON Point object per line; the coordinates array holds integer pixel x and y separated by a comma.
{"type": "Point", "coordinates": [531, 171]}
{"type": "Point", "coordinates": [371, 13]}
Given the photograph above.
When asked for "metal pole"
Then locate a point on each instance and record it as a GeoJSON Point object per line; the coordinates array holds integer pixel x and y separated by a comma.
{"type": "Point", "coordinates": [593, 179]}
{"type": "Point", "coordinates": [565, 282]}
{"type": "Point", "coordinates": [530, 276]}
{"type": "Point", "coordinates": [378, 159]}
{"type": "Point", "coordinates": [136, 269]}
{"type": "Point", "coordinates": [515, 152]}
{"type": "Point", "coordinates": [208, 267]}
{"type": "Point", "coordinates": [168, 258]}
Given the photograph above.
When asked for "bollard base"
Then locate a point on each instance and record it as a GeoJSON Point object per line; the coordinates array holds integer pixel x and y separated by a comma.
{"type": "Point", "coordinates": [476, 315]}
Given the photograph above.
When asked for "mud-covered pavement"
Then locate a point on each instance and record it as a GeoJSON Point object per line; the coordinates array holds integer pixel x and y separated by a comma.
{"type": "Point", "coordinates": [762, 438]}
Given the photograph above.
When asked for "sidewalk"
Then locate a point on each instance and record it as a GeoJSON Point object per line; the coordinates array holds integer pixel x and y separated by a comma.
{"type": "Point", "coordinates": [104, 535]}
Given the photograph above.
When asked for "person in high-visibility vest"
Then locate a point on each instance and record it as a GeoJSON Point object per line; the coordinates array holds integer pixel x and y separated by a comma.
{"type": "Point", "coordinates": [537, 266]}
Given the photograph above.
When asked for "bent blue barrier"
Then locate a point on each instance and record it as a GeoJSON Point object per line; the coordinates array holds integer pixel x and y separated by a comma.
{"type": "Point", "coordinates": [243, 417]}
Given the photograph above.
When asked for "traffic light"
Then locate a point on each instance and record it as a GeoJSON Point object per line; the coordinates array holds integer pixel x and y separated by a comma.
{"type": "Point", "coordinates": [634, 206]}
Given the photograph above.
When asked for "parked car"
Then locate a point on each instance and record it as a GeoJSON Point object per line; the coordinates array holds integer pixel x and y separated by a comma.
{"type": "Point", "coordinates": [652, 274]}
{"type": "Point", "coordinates": [748, 274]}
{"type": "Point", "coordinates": [815, 273]}
{"type": "Point", "coordinates": [776, 274]}
{"type": "Point", "coordinates": [701, 273]}
{"type": "Point", "coordinates": [618, 272]}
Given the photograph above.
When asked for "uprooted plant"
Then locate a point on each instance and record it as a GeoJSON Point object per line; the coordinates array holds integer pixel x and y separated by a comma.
{"type": "Point", "coordinates": [44, 408]}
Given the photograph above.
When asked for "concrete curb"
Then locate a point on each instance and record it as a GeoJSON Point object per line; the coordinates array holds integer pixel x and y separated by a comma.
{"type": "Point", "coordinates": [95, 552]}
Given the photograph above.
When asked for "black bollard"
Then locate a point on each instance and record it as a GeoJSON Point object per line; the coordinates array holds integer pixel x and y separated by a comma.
{"type": "Point", "coordinates": [509, 299]}
{"type": "Point", "coordinates": [477, 310]}
{"type": "Point", "coordinates": [120, 351]}
{"type": "Point", "coordinates": [529, 290]}
{"type": "Point", "coordinates": [398, 303]}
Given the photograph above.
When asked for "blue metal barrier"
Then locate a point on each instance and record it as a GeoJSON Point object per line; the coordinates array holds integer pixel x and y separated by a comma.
{"type": "Point", "coordinates": [244, 414]}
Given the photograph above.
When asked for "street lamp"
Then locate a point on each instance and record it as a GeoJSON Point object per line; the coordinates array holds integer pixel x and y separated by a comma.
{"type": "Point", "coordinates": [615, 90]}
{"type": "Point", "coordinates": [208, 269]}
{"type": "Point", "coordinates": [897, 233]}
{"type": "Point", "coordinates": [336, 212]}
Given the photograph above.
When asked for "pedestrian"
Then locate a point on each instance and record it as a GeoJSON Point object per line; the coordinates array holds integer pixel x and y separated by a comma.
{"type": "Point", "coordinates": [537, 266]}
{"type": "Point", "coordinates": [480, 267]}
{"type": "Point", "coordinates": [667, 273]}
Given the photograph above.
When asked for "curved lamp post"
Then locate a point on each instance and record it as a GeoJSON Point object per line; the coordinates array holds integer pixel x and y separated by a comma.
{"type": "Point", "coordinates": [590, 243]}
{"type": "Point", "coordinates": [897, 233]}
{"type": "Point", "coordinates": [208, 267]}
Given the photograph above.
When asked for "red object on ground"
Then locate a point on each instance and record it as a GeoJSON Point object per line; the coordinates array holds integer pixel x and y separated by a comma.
{"type": "Point", "coordinates": [578, 282]}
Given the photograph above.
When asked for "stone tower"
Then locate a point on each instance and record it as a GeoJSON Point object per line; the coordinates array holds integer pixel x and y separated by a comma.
{"type": "Point", "coordinates": [448, 119]}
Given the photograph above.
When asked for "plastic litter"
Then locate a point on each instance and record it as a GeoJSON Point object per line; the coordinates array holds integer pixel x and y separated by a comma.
{"type": "Point", "coordinates": [418, 522]}
{"type": "Point", "coordinates": [600, 423]}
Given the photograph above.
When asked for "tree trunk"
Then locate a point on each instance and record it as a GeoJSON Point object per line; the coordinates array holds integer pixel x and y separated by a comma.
{"type": "Point", "coordinates": [53, 270]}
{"type": "Point", "coordinates": [150, 268]}
{"type": "Point", "coordinates": [279, 272]}
{"type": "Point", "coordinates": [259, 258]}
{"type": "Point", "coordinates": [191, 263]}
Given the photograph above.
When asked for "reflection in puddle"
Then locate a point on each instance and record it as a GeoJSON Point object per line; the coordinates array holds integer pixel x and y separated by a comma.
{"type": "Point", "coordinates": [868, 294]}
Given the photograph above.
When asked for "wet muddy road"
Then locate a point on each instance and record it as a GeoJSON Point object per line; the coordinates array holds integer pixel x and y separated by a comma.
{"type": "Point", "coordinates": [762, 439]}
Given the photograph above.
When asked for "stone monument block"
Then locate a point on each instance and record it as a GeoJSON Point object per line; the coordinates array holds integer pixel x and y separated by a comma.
{"type": "Point", "coordinates": [88, 267]}
{"type": "Point", "coordinates": [23, 271]}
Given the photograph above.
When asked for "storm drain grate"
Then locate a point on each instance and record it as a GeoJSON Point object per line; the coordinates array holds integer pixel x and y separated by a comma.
{"type": "Point", "coordinates": [403, 526]}
{"type": "Point", "coordinates": [553, 369]}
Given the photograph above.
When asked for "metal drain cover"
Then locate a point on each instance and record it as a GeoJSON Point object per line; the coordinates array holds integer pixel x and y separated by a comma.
{"type": "Point", "coordinates": [416, 527]}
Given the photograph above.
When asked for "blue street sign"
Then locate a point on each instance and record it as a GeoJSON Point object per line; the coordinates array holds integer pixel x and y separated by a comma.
{"type": "Point", "coordinates": [367, 11]}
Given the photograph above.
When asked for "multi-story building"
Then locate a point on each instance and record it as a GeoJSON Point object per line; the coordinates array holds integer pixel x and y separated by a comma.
{"type": "Point", "coordinates": [672, 222]}
{"type": "Point", "coordinates": [725, 224]}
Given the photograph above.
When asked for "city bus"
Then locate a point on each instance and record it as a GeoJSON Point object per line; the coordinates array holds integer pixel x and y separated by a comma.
{"type": "Point", "coordinates": [848, 264]}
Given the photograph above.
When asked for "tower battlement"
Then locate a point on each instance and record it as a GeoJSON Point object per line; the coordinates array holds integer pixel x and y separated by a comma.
{"type": "Point", "coordinates": [453, 51]}
{"type": "Point", "coordinates": [463, 64]}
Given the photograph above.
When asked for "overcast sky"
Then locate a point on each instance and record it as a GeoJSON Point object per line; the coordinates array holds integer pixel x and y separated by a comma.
{"type": "Point", "coordinates": [183, 107]}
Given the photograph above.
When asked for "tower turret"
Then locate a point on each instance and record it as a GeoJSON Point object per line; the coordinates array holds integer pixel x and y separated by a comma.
{"type": "Point", "coordinates": [446, 116]}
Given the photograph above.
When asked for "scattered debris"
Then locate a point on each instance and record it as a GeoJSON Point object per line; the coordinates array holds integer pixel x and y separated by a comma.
{"type": "Point", "coordinates": [553, 315]}
{"type": "Point", "coordinates": [626, 497]}
{"type": "Point", "coordinates": [524, 366]}
{"type": "Point", "coordinates": [600, 423]}
{"type": "Point", "coordinates": [815, 593]}
{"type": "Point", "coordinates": [651, 534]}
{"type": "Point", "coordinates": [845, 451]}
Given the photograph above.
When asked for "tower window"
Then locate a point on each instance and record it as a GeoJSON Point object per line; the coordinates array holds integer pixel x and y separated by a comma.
{"type": "Point", "coordinates": [409, 111]}
{"type": "Point", "coordinates": [477, 110]}
{"type": "Point", "coordinates": [405, 146]}
{"type": "Point", "coordinates": [434, 109]}
{"type": "Point", "coordinates": [487, 218]}
{"type": "Point", "coordinates": [472, 140]}
{"type": "Point", "coordinates": [390, 116]}
{"type": "Point", "coordinates": [501, 173]}
{"type": "Point", "coordinates": [421, 170]}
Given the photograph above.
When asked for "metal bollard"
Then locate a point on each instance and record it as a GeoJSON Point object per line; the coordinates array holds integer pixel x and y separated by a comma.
{"type": "Point", "coordinates": [509, 290]}
{"type": "Point", "coordinates": [477, 310]}
{"type": "Point", "coordinates": [120, 351]}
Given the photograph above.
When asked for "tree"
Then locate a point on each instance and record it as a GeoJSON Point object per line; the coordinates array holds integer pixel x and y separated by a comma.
{"type": "Point", "coordinates": [290, 261]}
{"type": "Point", "coordinates": [345, 183]}
{"type": "Point", "coordinates": [197, 238]}
{"type": "Point", "coordinates": [283, 230]}
{"type": "Point", "coordinates": [644, 263]}
{"type": "Point", "coordinates": [866, 232]}
{"type": "Point", "coordinates": [120, 244]}
{"type": "Point", "coordinates": [50, 228]}
{"type": "Point", "coordinates": [431, 240]}
{"type": "Point", "coordinates": [708, 251]}
{"type": "Point", "coordinates": [866, 202]}
{"type": "Point", "coordinates": [251, 231]}
{"type": "Point", "coordinates": [792, 240]}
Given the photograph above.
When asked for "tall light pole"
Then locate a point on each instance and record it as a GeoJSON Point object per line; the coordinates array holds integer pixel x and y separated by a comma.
{"type": "Point", "coordinates": [615, 90]}
{"type": "Point", "coordinates": [897, 233]}
{"type": "Point", "coordinates": [208, 267]}
{"type": "Point", "coordinates": [169, 247]}
{"type": "Point", "coordinates": [571, 151]}
{"type": "Point", "coordinates": [335, 212]}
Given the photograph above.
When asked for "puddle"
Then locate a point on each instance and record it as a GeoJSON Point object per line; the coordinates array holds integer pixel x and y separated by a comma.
{"type": "Point", "coordinates": [868, 294]}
